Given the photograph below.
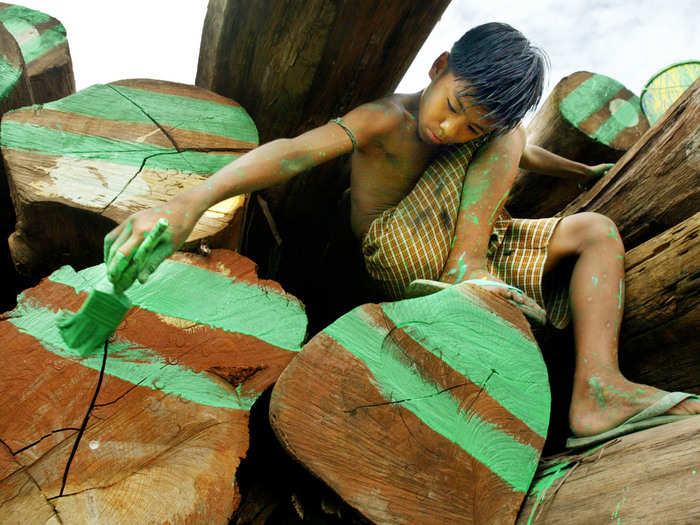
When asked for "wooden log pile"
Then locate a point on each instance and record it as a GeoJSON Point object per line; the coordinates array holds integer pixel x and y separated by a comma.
{"type": "Point", "coordinates": [105, 152]}
{"type": "Point", "coordinates": [166, 430]}
{"type": "Point", "coordinates": [44, 46]}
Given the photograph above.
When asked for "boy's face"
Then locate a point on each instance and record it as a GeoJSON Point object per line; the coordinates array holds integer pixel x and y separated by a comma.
{"type": "Point", "coordinates": [444, 117]}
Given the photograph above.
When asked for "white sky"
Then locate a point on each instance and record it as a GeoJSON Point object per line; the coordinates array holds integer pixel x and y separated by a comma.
{"type": "Point", "coordinates": [629, 40]}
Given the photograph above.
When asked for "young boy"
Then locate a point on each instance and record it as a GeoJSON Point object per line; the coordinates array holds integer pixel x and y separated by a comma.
{"type": "Point", "coordinates": [422, 224]}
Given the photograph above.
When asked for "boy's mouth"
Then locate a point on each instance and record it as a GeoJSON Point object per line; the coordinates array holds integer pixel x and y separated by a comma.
{"type": "Point", "coordinates": [432, 136]}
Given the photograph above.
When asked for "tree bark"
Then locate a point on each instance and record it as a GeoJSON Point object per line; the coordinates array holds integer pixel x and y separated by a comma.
{"type": "Point", "coordinates": [588, 118]}
{"type": "Point", "coordinates": [165, 437]}
{"type": "Point", "coordinates": [110, 150]}
{"type": "Point", "coordinates": [656, 184]}
{"type": "Point", "coordinates": [647, 477]}
{"type": "Point", "coordinates": [388, 403]}
{"type": "Point", "coordinates": [44, 45]}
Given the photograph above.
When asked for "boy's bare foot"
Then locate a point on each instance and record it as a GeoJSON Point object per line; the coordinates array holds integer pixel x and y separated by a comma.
{"type": "Point", "coordinates": [609, 399]}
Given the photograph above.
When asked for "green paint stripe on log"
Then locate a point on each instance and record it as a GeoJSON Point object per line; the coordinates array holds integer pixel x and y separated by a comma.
{"type": "Point", "coordinates": [588, 97]}
{"type": "Point", "coordinates": [21, 21]}
{"type": "Point", "coordinates": [30, 137]}
{"type": "Point", "coordinates": [9, 75]}
{"type": "Point", "coordinates": [170, 111]}
{"type": "Point", "coordinates": [512, 461]}
{"type": "Point", "coordinates": [201, 296]}
{"type": "Point", "coordinates": [626, 115]}
{"type": "Point", "coordinates": [133, 363]}
{"type": "Point", "coordinates": [474, 342]}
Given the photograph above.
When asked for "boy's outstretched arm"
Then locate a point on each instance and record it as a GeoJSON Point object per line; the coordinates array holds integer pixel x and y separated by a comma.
{"type": "Point", "coordinates": [127, 256]}
{"type": "Point", "coordinates": [540, 160]}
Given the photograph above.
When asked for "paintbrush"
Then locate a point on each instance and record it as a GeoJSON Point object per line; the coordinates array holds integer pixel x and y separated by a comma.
{"type": "Point", "coordinates": [98, 318]}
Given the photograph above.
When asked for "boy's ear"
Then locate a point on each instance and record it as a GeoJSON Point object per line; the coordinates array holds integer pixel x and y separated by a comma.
{"type": "Point", "coordinates": [439, 66]}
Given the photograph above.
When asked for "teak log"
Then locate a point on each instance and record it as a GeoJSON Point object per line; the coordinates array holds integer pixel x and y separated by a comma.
{"type": "Point", "coordinates": [659, 343]}
{"type": "Point", "coordinates": [169, 427]}
{"type": "Point", "coordinates": [656, 184]}
{"type": "Point", "coordinates": [427, 410]}
{"type": "Point", "coordinates": [44, 45]}
{"type": "Point", "coordinates": [651, 476]}
{"type": "Point", "coordinates": [587, 117]}
{"type": "Point", "coordinates": [97, 156]}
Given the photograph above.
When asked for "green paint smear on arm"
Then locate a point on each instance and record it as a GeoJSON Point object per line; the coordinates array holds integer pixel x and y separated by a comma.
{"type": "Point", "coordinates": [133, 363]}
{"type": "Point", "coordinates": [201, 296]}
{"type": "Point", "coordinates": [498, 206]}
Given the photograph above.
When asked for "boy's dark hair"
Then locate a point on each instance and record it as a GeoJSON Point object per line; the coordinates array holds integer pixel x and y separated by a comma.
{"type": "Point", "coordinates": [504, 71]}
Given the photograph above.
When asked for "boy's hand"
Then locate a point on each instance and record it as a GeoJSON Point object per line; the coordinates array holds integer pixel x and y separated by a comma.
{"type": "Point", "coordinates": [594, 173]}
{"type": "Point", "coordinates": [135, 248]}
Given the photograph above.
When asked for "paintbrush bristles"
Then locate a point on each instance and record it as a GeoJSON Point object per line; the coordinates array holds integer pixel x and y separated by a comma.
{"type": "Point", "coordinates": [98, 318]}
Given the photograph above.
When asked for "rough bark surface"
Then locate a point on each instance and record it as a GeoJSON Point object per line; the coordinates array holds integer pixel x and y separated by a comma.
{"type": "Point", "coordinates": [154, 446]}
{"type": "Point", "coordinates": [534, 195]}
{"type": "Point", "coordinates": [656, 184]}
{"type": "Point", "coordinates": [110, 150]}
{"type": "Point", "coordinates": [383, 423]}
{"type": "Point", "coordinates": [647, 477]}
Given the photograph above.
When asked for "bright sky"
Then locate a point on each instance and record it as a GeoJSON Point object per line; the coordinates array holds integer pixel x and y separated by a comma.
{"type": "Point", "coordinates": [629, 40]}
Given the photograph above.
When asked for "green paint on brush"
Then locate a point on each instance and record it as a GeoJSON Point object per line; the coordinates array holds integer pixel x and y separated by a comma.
{"type": "Point", "coordinates": [588, 97]}
{"type": "Point", "coordinates": [29, 137]}
{"type": "Point", "coordinates": [132, 362]}
{"type": "Point", "coordinates": [110, 102]}
{"type": "Point", "coordinates": [19, 21]}
{"type": "Point", "coordinates": [473, 341]}
{"type": "Point", "coordinates": [512, 461]}
{"type": "Point", "coordinates": [9, 75]}
{"type": "Point", "coordinates": [208, 298]}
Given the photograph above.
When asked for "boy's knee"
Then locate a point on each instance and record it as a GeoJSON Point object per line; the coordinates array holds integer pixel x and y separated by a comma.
{"type": "Point", "coordinates": [595, 228]}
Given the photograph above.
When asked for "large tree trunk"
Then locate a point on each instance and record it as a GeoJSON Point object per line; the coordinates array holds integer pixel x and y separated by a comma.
{"type": "Point", "coordinates": [169, 427]}
{"type": "Point", "coordinates": [44, 45]}
{"type": "Point", "coordinates": [428, 410]}
{"type": "Point", "coordinates": [656, 184]}
{"type": "Point", "coordinates": [659, 343]}
{"type": "Point", "coordinates": [294, 65]}
{"type": "Point", "coordinates": [589, 118]}
{"type": "Point", "coordinates": [647, 477]}
{"type": "Point", "coordinates": [97, 156]}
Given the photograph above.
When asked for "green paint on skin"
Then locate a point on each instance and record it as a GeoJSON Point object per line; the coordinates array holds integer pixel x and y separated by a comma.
{"type": "Point", "coordinates": [9, 75]}
{"type": "Point", "coordinates": [132, 362]}
{"type": "Point", "coordinates": [20, 21]}
{"type": "Point", "coordinates": [511, 460]}
{"type": "Point", "coordinates": [595, 281]}
{"type": "Point", "coordinates": [170, 111]}
{"type": "Point", "coordinates": [624, 114]}
{"type": "Point", "coordinates": [473, 218]}
{"type": "Point", "coordinates": [474, 342]}
{"type": "Point", "coordinates": [28, 137]}
{"type": "Point", "coordinates": [462, 267]}
{"type": "Point", "coordinates": [498, 206]}
{"type": "Point", "coordinates": [209, 298]}
{"type": "Point", "coordinates": [588, 97]}
{"type": "Point", "coordinates": [597, 391]}
{"type": "Point", "coordinates": [612, 233]}
{"type": "Point", "coordinates": [620, 295]}
{"type": "Point", "coordinates": [474, 189]}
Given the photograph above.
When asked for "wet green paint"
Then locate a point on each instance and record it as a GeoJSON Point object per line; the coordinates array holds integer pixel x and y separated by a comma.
{"type": "Point", "coordinates": [462, 267]}
{"type": "Point", "coordinates": [207, 298]}
{"type": "Point", "coordinates": [21, 21]}
{"type": "Point", "coordinates": [597, 391]}
{"type": "Point", "coordinates": [544, 483]}
{"type": "Point", "coordinates": [498, 206]}
{"type": "Point", "coordinates": [588, 97]}
{"type": "Point", "coordinates": [29, 137]}
{"type": "Point", "coordinates": [120, 103]}
{"type": "Point", "coordinates": [620, 294]}
{"type": "Point", "coordinates": [615, 514]}
{"type": "Point", "coordinates": [132, 362]}
{"type": "Point", "coordinates": [475, 187]}
{"type": "Point", "coordinates": [625, 114]}
{"type": "Point", "coordinates": [9, 75]}
{"type": "Point", "coordinates": [474, 342]}
{"type": "Point", "coordinates": [511, 460]}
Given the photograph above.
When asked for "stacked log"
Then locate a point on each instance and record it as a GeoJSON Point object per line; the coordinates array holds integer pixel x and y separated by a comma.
{"type": "Point", "coordinates": [42, 40]}
{"type": "Point", "coordinates": [163, 439]}
{"type": "Point", "coordinates": [647, 477]}
{"type": "Point", "coordinates": [15, 90]}
{"type": "Point", "coordinates": [589, 118]}
{"type": "Point", "coordinates": [97, 156]}
{"type": "Point", "coordinates": [427, 410]}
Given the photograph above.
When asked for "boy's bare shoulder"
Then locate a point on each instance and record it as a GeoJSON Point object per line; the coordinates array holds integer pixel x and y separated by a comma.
{"type": "Point", "coordinates": [378, 117]}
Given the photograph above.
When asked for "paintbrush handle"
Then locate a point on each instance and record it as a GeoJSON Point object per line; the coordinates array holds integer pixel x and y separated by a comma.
{"type": "Point", "coordinates": [154, 235]}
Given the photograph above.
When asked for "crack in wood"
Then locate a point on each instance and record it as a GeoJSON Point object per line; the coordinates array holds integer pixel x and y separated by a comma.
{"type": "Point", "coordinates": [384, 403]}
{"type": "Point", "coordinates": [42, 438]}
{"type": "Point", "coordinates": [85, 420]}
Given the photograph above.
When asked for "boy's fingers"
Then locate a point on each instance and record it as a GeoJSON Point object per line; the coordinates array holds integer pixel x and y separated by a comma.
{"type": "Point", "coordinates": [121, 260]}
{"type": "Point", "coordinates": [150, 241]}
{"type": "Point", "coordinates": [109, 240]}
{"type": "Point", "coordinates": [162, 251]}
{"type": "Point", "coordinates": [120, 240]}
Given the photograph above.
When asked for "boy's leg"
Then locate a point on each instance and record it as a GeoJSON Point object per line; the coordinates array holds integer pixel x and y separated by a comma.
{"type": "Point", "coordinates": [602, 397]}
